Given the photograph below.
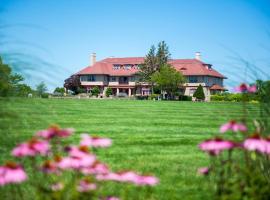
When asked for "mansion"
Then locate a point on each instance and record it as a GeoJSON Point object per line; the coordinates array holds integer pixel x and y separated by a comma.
{"type": "Point", "coordinates": [120, 74]}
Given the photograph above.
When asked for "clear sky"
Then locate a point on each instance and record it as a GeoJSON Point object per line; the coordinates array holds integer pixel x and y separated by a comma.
{"type": "Point", "coordinates": [65, 33]}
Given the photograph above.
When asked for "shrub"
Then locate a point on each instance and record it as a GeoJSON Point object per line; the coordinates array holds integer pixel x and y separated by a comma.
{"type": "Point", "coordinates": [217, 97]}
{"type": "Point", "coordinates": [108, 92]}
{"type": "Point", "coordinates": [95, 91]}
{"type": "Point", "coordinates": [185, 98]}
{"type": "Point", "coordinates": [153, 96]}
{"type": "Point", "coordinates": [199, 94]}
{"type": "Point", "coordinates": [45, 95]}
{"type": "Point", "coordinates": [141, 97]}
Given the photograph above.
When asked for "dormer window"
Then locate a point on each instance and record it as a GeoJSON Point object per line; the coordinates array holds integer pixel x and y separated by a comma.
{"type": "Point", "coordinates": [136, 66]}
{"type": "Point", "coordinates": [183, 68]}
{"type": "Point", "coordinates": [127, 67]}
{"type": "Point", "coordinates": [116, 67]}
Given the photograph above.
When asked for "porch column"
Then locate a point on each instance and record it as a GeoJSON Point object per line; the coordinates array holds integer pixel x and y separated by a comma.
{"type": "Point", "coordinates": [117, 91]}
{"type": "Point", "coordinates": [129, 92]}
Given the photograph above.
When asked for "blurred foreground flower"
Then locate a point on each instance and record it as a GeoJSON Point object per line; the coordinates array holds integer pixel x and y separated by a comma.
{"type": "Point", "coordinates": [12, 173]}
{"type": "Point", "coordinates": [70, 169]}
{"type": "Point", "coordinates": [203, 170]}
{"type": "Point", "coordinates": [95, 141]}
{"type": "Point", "coordinates": [242, 172]}
{"type": "Point", "coordinates": [244, 88]}
{"type": "Point", "coordinates": [257, 143]}
{"type": "Point", "coordinates": [215, 146]}
{"type": "Point", "coordinates": [31, 148]}
{"type": "Point", "coordinates": [233, 126]}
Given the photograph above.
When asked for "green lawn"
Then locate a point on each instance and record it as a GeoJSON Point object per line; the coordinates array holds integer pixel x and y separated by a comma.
{"type": "Point", "coordinates": [148, 136]}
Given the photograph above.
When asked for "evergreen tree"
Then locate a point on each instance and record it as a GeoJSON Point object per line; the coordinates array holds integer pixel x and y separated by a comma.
{"type": "Point", "coordinates": [163, 54]}
{"type": "Point", "coordinates": [153, 62]}
{"type": "Point", "coordinates": [149, 66]}
{"type": "Point", "coordinates": [199, 94]}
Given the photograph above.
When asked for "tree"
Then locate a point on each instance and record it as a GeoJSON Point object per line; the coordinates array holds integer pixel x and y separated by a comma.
{"type": "Point", "coordinates": [22, 90]}
{"type": "Point", "coordinates": [168, 79]}
{"type": "Point", "coordinates": [41, 89]}
{"type": "Point", "coordinates": [73, 84]}
{"type": "Point", "coordinates": [95, 91]}
{"type": "Point", "coordinates": [153, 62]}
{"type": "Point", "coordinates": [199, 94]}
{"type": "Point", "coordinates": [108, 92]}
{"type": "Point", "coordinates": [5, 84]}
{"type": "Point", "coordinates": [149, 66]}
{"type": "Point", "coordinates": [59, 90]}
{"type": "Point", "coordinates": [10, 84]}
{"type": "Point", "coordinates": [163, 54]}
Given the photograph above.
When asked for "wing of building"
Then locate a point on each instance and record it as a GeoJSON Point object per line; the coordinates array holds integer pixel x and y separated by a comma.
{"type": "Point", "coordinates": [120, 74]}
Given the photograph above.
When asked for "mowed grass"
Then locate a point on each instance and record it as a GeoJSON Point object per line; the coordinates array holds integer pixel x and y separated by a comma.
{"type": "Point", "coordinates": [157, 137]}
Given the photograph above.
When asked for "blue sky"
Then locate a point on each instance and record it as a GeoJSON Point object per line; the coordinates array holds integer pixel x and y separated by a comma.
{"type": "Point", "coordinates": [65, 32]}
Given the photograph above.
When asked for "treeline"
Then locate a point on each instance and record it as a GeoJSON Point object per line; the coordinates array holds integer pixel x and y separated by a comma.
{"type": "Point", "coordinates": [12, 85]}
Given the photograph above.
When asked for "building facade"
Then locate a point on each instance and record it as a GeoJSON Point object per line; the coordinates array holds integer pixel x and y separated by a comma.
{"type": "Point", "coordinates": [120, 74]}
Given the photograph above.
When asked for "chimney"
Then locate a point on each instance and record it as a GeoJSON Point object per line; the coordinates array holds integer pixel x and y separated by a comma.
{"type": "Point", "coordinates": [93, 59]}
{"type": "Point", "coordinates": [198, 56]}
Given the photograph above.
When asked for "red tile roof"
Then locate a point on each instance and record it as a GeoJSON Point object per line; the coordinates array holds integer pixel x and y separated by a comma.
{"type": "Point", "coordinates": [187, 66]}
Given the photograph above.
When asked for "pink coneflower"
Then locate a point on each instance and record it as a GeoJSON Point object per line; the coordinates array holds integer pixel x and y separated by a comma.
{"type": "Point", "coordinates": [257, 143]}
{"type": "Point", "coordinates": [31, 148]}
{"type": "Point", "coordinates": [49, 167]}
{"type": "Point", "coordinates": [147, 180]}
{"type": "Point", "coordinates": [54, 131]}
{"type": "Point", "coordinates": [96, 168]}
{"type": "Point", "coordinates": [78, 158]}
{"type": "Point", "coordinates": [233, 126]}
{"type": "Point", "coordinates": [112, 198]}
{"type": "Point", "coordinates": [86, 186]}
{"type": "Point", "coordinates": [203, 171]}
{"type": "Point", "coordinates": [244, 88]}
{"type": "Point", "coordinates": [95, 141]}
{"type": "Point", "coordinates": [57, 187]}
{"type": "Point", "coordinates": [215, 146]}
{"type": "Point", "coordinates": [129, 176]}
{"type": "Point", "coordinates": [109, 177]}
{"type": "Point", "coordinates": [12, 173]}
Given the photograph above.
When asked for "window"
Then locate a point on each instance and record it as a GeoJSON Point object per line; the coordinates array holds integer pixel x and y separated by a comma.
{"type": "Point", "coordinates": [88, 78]}
{"type": "Point", "coordinates": [127, 67]}
{"type": "Point", "coordinates": [132, 78]}
{"type": "Point", "coordinates": [136, 66]}
{"type": "Point", "coordinates": [113, 78]}
{"type": "Point", "coordinates": [205, 79]}
{"type": "Point", "coordinates": [115, 67]}
{"type": "Point", "coordinates": [193, 79]}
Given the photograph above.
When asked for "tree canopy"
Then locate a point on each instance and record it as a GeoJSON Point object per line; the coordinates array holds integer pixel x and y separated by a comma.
{"type": "Point", "coordinates": [168, 79]}
{"type": "Point", "coordinates": [41, 88]}
{"type": "Point", "coordinates": [154, 60]}
{"type": "Point", "coordinates": [11, 83]}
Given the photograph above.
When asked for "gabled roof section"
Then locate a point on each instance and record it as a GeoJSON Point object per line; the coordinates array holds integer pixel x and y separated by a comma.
{"type": "Point", "coordinates": [189, 67]}
{"type": "Point", "coordinates": [194, 67]}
